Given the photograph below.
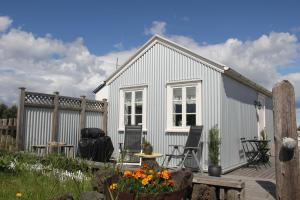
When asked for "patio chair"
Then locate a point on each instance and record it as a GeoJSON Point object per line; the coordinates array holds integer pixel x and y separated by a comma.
{"type": "Point", "coordinates": [190, 149]}
{"type": "Point", "coordinates": [132, 145]}
{"type": "Point", "coordinates": [250, 151]}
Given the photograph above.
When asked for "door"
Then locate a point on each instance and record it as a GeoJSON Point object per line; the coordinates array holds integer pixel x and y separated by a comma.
{"type": "Point", "coordinates": [261, 114]}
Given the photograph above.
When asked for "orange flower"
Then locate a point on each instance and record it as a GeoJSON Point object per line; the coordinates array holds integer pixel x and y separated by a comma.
{"type": "Point", "coordinates": [145, 166]}
{"type": "Point", "coordinates": [166, 174]}
{"type": "Point", "coordinates": [171, 182]}
{"type": "Point", "coordinates": [127, 173]}
{"type": "Point", "coordinates": [159, 174]}
{"type": "Point", "coordinates": [139, 174]}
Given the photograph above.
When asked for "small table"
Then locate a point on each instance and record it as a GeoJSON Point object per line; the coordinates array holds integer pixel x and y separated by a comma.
{"type": "Point", "coordinates": [60, 147]}
{"type": "Point", "coordinates": [150, 160]}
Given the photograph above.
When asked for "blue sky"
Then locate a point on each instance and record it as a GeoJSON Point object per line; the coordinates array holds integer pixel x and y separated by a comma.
{"type": "Point", "coordinates": [101, 31]}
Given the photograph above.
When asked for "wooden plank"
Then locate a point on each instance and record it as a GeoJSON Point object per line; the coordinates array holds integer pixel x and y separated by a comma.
{"type": "Point", "coordinates": [20, 122]}
{"type": "Point", "coordinates": [218, 181]}
{"type": "Point", "coordinates": [82, 113]}
{"type": "Point", "coordinates": [54, 135]}
{"type": "Point", "coordinates": [287, 161]}
{"type": "Point", "coordinates": [105, 113]}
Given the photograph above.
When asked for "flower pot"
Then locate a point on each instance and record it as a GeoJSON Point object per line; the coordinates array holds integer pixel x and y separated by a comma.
{"type": "Point", "coordinates": [214, 170]}
{"type": "Point", "coordinates": [148, 150]}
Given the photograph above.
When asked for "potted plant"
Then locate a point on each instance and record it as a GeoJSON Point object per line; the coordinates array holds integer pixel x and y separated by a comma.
{"type": "Point", "coordinates": [147, 148]}
{"type": "Point", "coordinates": [214, 169]}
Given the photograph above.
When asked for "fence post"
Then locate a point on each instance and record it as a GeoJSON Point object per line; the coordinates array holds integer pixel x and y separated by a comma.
{"type": "Point", "coordinates": [54, 136]}
{"type": "Point", "coordinates": [287, 158]}
{"type": "Point", "coordinates": [82, 113]}
{"type": "Point", "coordinates": [105, 113]}
{"type": "Point", "coordinates": [20, 120]}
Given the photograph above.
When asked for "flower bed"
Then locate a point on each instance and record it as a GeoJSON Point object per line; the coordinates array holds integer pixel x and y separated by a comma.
{"type": "Point", "coordinates": [143, 184]}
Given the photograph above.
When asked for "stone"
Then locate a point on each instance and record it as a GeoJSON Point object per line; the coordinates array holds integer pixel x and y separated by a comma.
{"type": "Point", "coordinates": [203, 192]}
{"type": "Point", "coordinates": [99, 179]}
{"type": "Point", "coordinates": [64, 197]}
{"type": "Point", "coordinates": [93, 195]}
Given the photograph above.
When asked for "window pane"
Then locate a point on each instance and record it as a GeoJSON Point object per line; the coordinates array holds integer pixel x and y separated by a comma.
{"type": "Point", "coordinates": [138, 96]}
{"type": "Point", "coordinates": [177, 107]}
{"type": "Point", "coordinates": [127, 119]}
{"type": "Point", "coordinates": [191, 107]}
{"type": "Point", "coordinates": [127, 109]}
{"type": "Point", "coordinates": [177, 120]}
{"type": "Point", "coordinates": [128, 97]}
{"type": "Point", "coordinates": [138, 108]}
{"type": "Point", "coordinates": [190, 93]}
{"type": "Point", "coordinates": [191, 120]}
{"type": "Point", "coordinates": [177, 94]}
{"type": "Point", "coordinates": [138, 119]}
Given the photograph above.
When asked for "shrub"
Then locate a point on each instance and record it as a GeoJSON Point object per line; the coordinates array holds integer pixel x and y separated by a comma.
{"type": "Point", "coordinates": [214, 146]}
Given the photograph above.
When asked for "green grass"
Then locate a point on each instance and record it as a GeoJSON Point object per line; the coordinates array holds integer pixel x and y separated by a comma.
{"type": "Point", "coordinates": [34, 186]}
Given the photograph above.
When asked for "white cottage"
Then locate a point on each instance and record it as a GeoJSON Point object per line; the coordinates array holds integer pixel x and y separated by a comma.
{"type": "Point", "coordinates": [167, 87]}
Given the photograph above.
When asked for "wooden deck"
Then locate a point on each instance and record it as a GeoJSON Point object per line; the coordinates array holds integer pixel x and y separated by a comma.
{"type": "Point", "coordinates": [260, 182]}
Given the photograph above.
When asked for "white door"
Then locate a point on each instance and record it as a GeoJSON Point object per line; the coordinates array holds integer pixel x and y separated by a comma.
{"type": "Point", "coordinates": [261, 114]}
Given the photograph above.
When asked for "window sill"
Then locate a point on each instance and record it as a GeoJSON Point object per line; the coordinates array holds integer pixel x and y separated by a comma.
{"type": "Point", "coordinates": [123, 130]}
{"type": "Point", "coordinates": [181, 130]}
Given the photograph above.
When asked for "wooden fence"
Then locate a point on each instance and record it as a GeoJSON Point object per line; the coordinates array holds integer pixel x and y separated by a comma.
{"type": "Point", "coordinates": [50, 117]}
{"type": "Point", "coordinates": [8, 134]}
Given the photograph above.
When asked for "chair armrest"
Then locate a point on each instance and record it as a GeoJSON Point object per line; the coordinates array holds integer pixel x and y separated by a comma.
{"type": "Point", "coordinates": [175, 145]}
{"type": "Point", "coordinates": [192, 148]}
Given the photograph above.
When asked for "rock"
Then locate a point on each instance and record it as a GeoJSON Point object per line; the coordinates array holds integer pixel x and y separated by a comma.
{"type": "Point", "coordinates": [182, 178]}
{"type": "Point", "coordinates": [203, 192]}
{"type": "Point", "coordinates": [65, 197]}
{"type": "Point", "coordinates": [99, 179]}
{"type": "Point", "coordinates": [93, 195]}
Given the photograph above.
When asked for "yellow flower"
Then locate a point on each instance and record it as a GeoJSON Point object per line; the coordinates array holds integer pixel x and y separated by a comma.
{"type": "Point", "coordinates": [145, 181]}
{"type": "Point", "coordinates": [113, 186]}
{"type": "Point", "coordinates": [18, 194]}
{"type": "Point", "coordinates": [151, 171]}
{"type": "Point", "coordinates": [149, 177]}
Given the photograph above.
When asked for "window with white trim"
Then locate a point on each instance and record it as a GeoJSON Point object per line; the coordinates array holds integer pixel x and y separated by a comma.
{"type": "Point", "coordinates": [183, 106]}
{"type": "Point", "coordinates": [132, 107]}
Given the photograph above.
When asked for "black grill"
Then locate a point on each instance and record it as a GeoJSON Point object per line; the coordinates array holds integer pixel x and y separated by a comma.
{"type": "Point", "coordinates": [95, 145]}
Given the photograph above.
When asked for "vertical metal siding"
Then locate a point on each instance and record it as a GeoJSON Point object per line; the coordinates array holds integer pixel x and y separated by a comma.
{"type": "Point", "coordinates": [239, 119]}
{"type": "Point", "coordinates": [94, 120]}
{"type": "Point", "coordinates": [38, 126]}
{"type": "Point", "coordinates": [69, 127]}
{"type": "Point", "coordinates": [155, 68]}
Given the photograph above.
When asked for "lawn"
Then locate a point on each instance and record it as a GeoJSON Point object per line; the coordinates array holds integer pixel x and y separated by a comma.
{"type": "Point", "coordinates": [28, 177]}
{"type": "Point", "coordinates": [35, 186]}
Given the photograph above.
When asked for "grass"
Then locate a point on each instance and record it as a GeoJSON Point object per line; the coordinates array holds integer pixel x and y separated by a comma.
{"type": "Point", "coordinates": [34, 186]}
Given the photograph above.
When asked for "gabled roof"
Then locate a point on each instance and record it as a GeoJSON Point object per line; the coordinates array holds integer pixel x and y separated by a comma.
{"type": "Point", "coordinates": [213, 64]}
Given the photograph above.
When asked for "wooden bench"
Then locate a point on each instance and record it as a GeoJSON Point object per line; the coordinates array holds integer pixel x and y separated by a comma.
{"type": "Point", "coordinates": [226, 188]}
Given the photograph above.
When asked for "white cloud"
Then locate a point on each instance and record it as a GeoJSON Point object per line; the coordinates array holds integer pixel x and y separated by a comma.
{"type": "Point", "coordinates": [158, 27]}
{"type": "Point", "coordinates": [46, 64]}
{"type": "Point", "coordinates": [5, 22]}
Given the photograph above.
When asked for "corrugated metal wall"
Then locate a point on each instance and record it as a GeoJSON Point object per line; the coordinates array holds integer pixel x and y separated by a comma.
{"type": "Point", "coordinates": [38, 126]}
{"type": "Point", "coordinates": [69, 127]}
{"type": "Point", "coordinates": [93, 120]}
{"type": "Point", "coordinates": [239, 119]}
{"type": "Point", "coordinates": [37, 121]}
{"type": "Point", "coordinates": [155, 68]}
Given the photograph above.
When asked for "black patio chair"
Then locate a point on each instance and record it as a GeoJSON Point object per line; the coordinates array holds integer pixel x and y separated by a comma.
{"type": "Point", "coordinates": [190, 149]}
{"type": "Point", "coordinates": [251, 151]}
{"type": "Point", "coordinates": [132, 144]}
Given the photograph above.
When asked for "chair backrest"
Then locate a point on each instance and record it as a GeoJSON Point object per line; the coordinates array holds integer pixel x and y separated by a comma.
{"type": "Point", "coordinates": [194, 136]}
{"type": "Point", "coordinates": [133, 138]}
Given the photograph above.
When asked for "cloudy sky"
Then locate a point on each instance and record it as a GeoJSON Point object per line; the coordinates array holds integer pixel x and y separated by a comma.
{"type": "Point", "coordinates": [71, 46]}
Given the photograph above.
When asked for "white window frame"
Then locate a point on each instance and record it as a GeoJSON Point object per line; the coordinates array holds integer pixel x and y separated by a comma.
{"type": "Point", "coordinates": [121, 106]}
{"type": "Point", "coordinates": [169, 103]}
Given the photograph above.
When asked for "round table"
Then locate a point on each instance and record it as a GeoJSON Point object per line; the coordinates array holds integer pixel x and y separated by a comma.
{"type": "Point", "coordinates": [150, 160]}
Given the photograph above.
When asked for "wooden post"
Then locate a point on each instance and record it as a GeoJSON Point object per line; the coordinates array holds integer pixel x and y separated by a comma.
{"type": "Point", "coordinates": [54, 136]}
{"type": "Point", "coordinates": [287, 161]}
{"type": "Point", "coordinates": [20, 120]}
{"type": "Point", "coordinates": [105, 115]}
{"type": "Point", "coordinates": [82, 113]}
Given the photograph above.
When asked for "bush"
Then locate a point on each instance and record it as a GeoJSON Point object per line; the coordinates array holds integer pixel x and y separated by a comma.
{"type": "Point", "coordinates": [214, 146]}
